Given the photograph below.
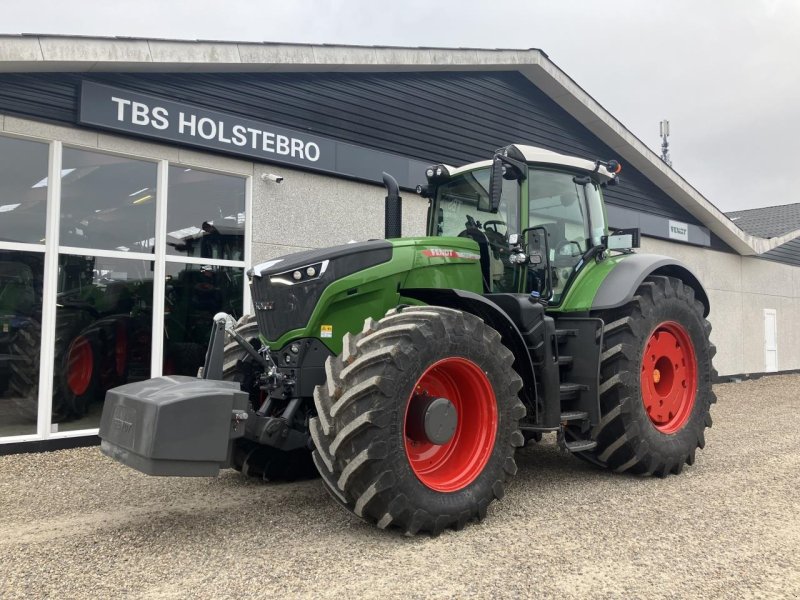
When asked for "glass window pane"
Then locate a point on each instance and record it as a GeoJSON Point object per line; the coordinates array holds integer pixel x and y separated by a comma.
{"type": "Point", "coordinates": [107, 202]}
{"type": "Point", "coordinates": [23, 190]}
{"type": "Point", "coordinates": [103, 333]}
{"type": "Point", "coordinates": [205, 214]}
{"type": "Point", "coordinates": [194, 294]}
{"type": "Point", "coordinates": [21, 275]}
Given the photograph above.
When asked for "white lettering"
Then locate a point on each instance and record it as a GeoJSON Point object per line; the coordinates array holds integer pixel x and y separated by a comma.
{"type": "Point", "coordinates": [192, 123]}
{"type": "Point", "coordinates": [207, 133]}
{"type": "Point", "coordinates": [160, 115]}
{"type": "Point", "coordinates": [309, 147]}
{"type": "Point", "coordinates": [297, 146]}
{"type": "Point", "coordinates": [254, 133]}
{"type": "Point", "coordinates": [139, 114]}
{"type": "Point", "coordinates": [121, 104]}
{"type": "Point", "coordinates": [239, 137]}
{"type": "Point", "coordinates": [222, 137]}
{"type": "Point", "coordinates": [269, 141]}
{"type": "Point", "coordinates": [282, 144]}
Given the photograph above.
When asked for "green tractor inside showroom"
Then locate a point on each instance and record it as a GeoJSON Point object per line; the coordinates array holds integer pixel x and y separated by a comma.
{"type": "Point", "coordinates": [408, 371]}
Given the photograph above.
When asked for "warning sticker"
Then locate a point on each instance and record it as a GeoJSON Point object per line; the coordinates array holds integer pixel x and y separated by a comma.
{"type": "Point", "coordinates": [326, 331]}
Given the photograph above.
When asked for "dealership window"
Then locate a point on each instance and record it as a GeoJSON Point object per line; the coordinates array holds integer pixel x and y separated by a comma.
{"type": "Point", "coordinates": [205, 214]}
{"type": "Point", "coordinates": [23, 218]}
{"type": "Point", "coordinates": [21, 281]}
{"type": "Point", "coordinates": [108, 202]}
{"type": "Point", "coordinates": [205, 261]}
{"type": "Point", "coordinates": [103, 333]}
{"type": "Point", "coordinates": [144, 253]}
{"type": "Point", "coordinates": [193, 295]}
{"type": "Point", "coordinates": [23, 190]}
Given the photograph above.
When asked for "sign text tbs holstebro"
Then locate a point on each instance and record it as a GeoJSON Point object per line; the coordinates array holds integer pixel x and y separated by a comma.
{"type": "Point", "coordinates": [188, 123]}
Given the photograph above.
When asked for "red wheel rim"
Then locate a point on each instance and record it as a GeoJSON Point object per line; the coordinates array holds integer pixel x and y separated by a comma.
{"type": "Point", "coordinates": [669, 377]}
{"type": "Point", "coordinates": [79, 366]}
{"type": "Point", "coordinates": [453, 465]}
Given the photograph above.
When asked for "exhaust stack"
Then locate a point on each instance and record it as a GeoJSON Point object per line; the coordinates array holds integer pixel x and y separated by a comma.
{"type": "Point", "coordinates": [393, 217]}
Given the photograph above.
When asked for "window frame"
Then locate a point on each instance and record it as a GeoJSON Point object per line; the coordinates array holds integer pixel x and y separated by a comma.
{"type": "Point", "coordinates": [52, 248]}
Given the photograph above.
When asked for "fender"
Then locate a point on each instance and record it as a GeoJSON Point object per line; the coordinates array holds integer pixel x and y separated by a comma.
{"type": "Point", "coordinates": [621, 283]}
{"type": "Point", "coordinates": [492, 314]}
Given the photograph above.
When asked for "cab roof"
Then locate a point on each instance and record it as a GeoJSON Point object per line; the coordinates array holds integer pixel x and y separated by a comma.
{"type": "Point", "coordinates": [541, 156]}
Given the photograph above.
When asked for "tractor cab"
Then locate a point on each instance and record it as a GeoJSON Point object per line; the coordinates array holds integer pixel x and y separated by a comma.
{"type": "Point", "coordinates": [551, 202]}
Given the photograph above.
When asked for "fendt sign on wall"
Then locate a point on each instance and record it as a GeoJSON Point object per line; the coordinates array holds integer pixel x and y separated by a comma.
{"type": "Point", "coordinates": [144, 115]}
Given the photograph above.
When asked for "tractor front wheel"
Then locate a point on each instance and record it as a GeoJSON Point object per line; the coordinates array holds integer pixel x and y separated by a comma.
{"type": "Point", "coordinates": [655, 381]}
{"type": "Point", "coordinates": [418, 422]}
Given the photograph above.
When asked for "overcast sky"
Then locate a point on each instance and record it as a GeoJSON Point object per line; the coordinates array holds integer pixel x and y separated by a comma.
{"type": "Point", "coordinates": [726, 73]}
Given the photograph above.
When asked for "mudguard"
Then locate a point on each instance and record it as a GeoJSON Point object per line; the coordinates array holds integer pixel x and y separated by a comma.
{"type": "Point", "coordinates": [619, 286]}
{"type": "Point", "coordinates": [492, 314]}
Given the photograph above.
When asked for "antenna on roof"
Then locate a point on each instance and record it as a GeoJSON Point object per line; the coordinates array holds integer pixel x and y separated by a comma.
{"type": "Point", "coordinates": [664, 129]}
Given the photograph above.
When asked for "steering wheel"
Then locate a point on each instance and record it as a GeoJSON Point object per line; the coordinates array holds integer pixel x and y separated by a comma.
{"type": "Point", "coordinates": [492, 225]}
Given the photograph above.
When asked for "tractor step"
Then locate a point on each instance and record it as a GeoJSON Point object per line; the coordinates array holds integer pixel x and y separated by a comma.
{"type": "Point", "coordinates": [562, 334]}
{"type": "Point", "coordinates": [570, 391]}
{"type": "Point", "coordinates": [574, 415]}
{"type": "Point", "coordinates": [564, 361]}
{"type": "Point", "coordinates": [580, 445]}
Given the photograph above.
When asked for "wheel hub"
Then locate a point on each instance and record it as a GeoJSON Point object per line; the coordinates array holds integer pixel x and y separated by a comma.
{"type": "Point", "coordinates": [450, 424]}
{"type": "Point", "coordinates": [432, 420]}
{"type": "Point", "coordinates": [669, 377]}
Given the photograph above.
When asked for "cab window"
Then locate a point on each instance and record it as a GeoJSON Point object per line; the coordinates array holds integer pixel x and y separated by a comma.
{"type": "Point", "coordinates": [557, 203]}
{"type": "Point", "coordinates": [458, 214]}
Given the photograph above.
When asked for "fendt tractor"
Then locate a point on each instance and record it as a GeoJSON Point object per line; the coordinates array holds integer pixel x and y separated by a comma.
{"type": "Point", "coordinates": [408, 371]}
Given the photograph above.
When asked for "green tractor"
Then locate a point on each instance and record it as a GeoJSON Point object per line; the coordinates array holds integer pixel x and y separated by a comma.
{"type": "Point", "coordinates": [409, 370]}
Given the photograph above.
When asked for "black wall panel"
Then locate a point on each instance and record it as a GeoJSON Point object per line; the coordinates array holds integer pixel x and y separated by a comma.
{"type": "Point", "coordinates": [449, 117]}
{"type": "Point", "coordinates": [788, 253]}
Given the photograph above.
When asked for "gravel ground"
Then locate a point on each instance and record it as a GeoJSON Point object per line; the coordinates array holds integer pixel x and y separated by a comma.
{"type": "Point", "coordinates": [74, 524]}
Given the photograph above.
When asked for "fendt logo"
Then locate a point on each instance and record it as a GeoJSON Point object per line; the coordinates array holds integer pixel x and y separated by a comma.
{"type": "Point", "coordinates": [122, 419]}
{"type": "Point", "coordinates": [449, 253]}
{"type": "Point", "coordinates": [678, 231]}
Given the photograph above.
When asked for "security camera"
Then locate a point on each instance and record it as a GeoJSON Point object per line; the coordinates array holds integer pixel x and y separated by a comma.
{"type": "Point", "coordinates": [271, 177]}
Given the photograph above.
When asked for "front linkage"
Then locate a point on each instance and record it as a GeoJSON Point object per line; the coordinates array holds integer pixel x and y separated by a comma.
{"type": "Point", "coordinates": [267, 424]}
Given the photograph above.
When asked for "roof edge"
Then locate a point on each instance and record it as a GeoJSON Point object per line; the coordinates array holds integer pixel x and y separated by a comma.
{"type": "Point", "coordinates": [90, 54]}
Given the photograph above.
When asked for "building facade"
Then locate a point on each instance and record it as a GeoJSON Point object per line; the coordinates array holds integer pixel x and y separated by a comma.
{"type": "Point", "coordinates": [139, 179]}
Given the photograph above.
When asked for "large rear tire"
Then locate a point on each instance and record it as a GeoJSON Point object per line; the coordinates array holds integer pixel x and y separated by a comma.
{"type": "Point", "coordinates": [250, 458]}
{"type": "Point", "coordinates": [374, 445]}
{"type": "Point", "coordinates": [655, 381]}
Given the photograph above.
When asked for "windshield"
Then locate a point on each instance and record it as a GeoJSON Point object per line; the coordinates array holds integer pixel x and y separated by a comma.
{"type": "Point", "coordinates": [460, 212]}
{"type": "Point", "coordinates": [459, 200]}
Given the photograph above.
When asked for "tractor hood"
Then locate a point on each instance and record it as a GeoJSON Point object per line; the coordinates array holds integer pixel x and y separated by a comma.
{"type": "Point", "coordinates": [286, 290]}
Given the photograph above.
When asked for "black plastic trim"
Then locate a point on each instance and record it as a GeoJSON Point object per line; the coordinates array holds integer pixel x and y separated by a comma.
{"type": "Point", "coordinates": [620, 285]}
{"type": "Point", "coordinates": [49, 445]}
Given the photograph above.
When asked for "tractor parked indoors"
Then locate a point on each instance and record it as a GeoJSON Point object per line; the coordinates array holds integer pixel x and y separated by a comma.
{"type": "Point", "coordinates": [409, 371]}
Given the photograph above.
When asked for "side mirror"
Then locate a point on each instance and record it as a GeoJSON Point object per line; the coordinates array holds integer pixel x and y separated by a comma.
{"type": "Point", "coordinates": [495, 184]}
{"type": "Point", "coordinates": [504, 167]}
{"type": "Point", "coordinates": [622, 239]}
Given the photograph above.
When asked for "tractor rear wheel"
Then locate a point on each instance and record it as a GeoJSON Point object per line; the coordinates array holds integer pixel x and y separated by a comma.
{"type": "Point", "coordinates": [418, 422]}
{"type": "Point", "coordinates": [250, 458]}
{"type": "Point", "coordinates": [655, 381]}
